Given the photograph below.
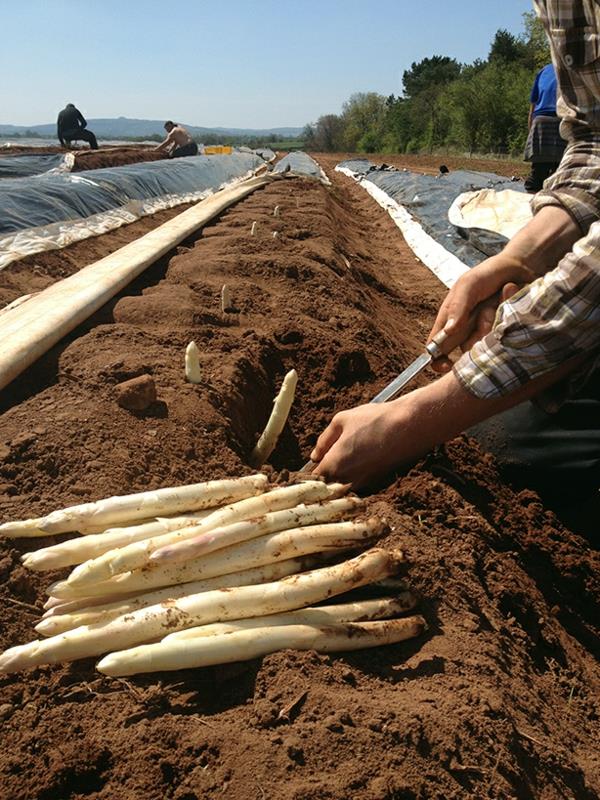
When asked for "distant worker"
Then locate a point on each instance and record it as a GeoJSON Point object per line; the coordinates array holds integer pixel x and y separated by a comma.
{"type": "Point", "coordinates": [178, 142]}
{"type": "Point", "coordinates": [545, 147]}
{"type": "Point", "coordinates": [72, 127]}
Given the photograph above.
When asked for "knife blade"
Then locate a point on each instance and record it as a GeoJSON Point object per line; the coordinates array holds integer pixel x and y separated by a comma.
{"type": "Point", "coordinates": [432, 350]}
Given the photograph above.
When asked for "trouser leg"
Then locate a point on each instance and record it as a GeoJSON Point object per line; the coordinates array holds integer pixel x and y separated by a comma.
{"type": "Point", "coordinates": [89, 137]}
{"type": "Point", "coordinates": [557, 455]}
{"type": "Point", "coordinates": [539, 172]}
{"type": "Point", "coordinates": [190, 149]}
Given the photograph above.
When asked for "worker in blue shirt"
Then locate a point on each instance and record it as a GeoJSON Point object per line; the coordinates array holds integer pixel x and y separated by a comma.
{"type": "Point", "coordinates": [545, 147]}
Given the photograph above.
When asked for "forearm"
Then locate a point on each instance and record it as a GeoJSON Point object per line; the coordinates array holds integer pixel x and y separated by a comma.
{"type": "Point", "coordinates": [443, 409]}
{"type": "Point", "coordinates": [541, 244]}
{"type": "Point", "coordinates": [368, 441]}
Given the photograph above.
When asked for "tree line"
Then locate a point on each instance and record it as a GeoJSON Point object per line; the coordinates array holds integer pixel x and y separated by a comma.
{"type": "Point", "coordinates": [478, 108]}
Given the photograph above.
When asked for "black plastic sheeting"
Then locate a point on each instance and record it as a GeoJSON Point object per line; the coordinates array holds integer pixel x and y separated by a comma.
{"type": "Point", "coordinates": [23, 166]}
{"type": "Point", "coordinates": [56, 198]}
{"type": "Point", "coordinates": [428, 197]}
{"type": "Point", "coordinates": [299, 163]}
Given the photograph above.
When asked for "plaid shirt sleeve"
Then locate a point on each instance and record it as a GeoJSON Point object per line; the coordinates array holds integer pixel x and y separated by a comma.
{"type": "Point", "coordinates": [557, 316]}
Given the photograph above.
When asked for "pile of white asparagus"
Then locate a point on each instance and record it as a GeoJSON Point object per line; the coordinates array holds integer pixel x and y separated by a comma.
{"type": "Point", "coordinates": [210, 573]}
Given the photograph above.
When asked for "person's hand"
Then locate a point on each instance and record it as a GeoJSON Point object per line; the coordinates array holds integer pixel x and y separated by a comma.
{"type": "Point", "coordinates": [468, 312]}
{"type": "Point", "coordinates": [363, 444]}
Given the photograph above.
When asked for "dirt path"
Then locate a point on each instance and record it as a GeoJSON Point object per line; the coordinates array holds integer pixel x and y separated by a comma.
{"type": "Point", "coordinates": [499, 699]}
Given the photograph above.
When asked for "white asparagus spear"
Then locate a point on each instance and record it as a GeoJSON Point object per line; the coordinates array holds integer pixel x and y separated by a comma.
{"type": "Point", "coordinates": [29, 528]}
{"type": "Point", "coordinates": [244, 645]}
{"type": "Point", "coordinates": [76, 551]}
{"type": "Point", "coordinates": [137, 554]}
{"type": "Point", "coordinates": [254, 553]}
{"type": "Point", "coordinates": [153, 622]}
{"type": "Point", "coordinates": [358, 611]}
{"type": "Point", "coordinates": [257, 526]}
{"type": "Point", "coordinates": [276, 423]}
{"type": "Point", "coordinates": [193, 374]}
{"type": "Point", "coordinates": [62, 606]}
{"type": "Point", "coordinates": [104, 612]}
{"type": "Point", "coordinates": [126, 508]}
{"type": "Point", "coordinates": [226, 303]}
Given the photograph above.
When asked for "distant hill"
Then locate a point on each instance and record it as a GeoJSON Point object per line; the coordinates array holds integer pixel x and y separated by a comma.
{"type": "Point", "coordinates": [123, 127]}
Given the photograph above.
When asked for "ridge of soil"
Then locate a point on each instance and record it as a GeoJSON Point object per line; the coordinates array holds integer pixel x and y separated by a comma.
{"type": "Point", "coordinates": [430, 164]}
{"type": "Point", "coordinates": [498, 700]}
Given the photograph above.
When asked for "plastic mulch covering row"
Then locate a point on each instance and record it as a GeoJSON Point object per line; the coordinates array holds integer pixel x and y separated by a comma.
{"type": "Point", "coordinates": [428, 197]}
{"type": "Point", "coordinates": [51, 211]}
{"type": "Point", "coordinates": [299, 163]}
{"type": "Point", "coordinates": [24, 166]}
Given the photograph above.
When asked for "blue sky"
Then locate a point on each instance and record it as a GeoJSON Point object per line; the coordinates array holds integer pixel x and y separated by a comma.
{"type": "Point", "coordinates": [239, 63]}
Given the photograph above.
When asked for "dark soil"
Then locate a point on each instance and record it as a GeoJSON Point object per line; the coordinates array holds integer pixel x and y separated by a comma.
{"type": "Point", "coordinates": [114, 156]}
{"type": "Point", "coordinates": [498, 700]}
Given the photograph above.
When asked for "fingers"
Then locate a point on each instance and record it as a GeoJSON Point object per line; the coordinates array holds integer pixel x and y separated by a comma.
{"type": "Point", "coordinates": [330, 467]}
{"type": "Point", "coordinates": [327, 439]}
{"type": "Point", "coordinates": [441, 365]}
{"type": "Point", "coordinates": [455, 314]}
{"type": "Point", "coordinates": [483, 324]}
{"type": "Point", "coordinates": [508, 290]}
{"type": "Point", "coordinates": [440, 320]}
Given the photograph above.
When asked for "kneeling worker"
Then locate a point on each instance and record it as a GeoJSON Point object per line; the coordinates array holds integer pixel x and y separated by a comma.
{"type": "Point", "coordinates": [71, 126]}
{"type": "Point", "coordinates": [178, 142]}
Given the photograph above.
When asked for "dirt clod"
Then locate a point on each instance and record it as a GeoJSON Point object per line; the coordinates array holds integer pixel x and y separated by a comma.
{"type": "Point", "coordinates": [136, 394]}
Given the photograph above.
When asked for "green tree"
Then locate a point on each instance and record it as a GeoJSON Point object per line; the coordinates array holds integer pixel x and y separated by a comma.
{"type": "Point", "coordinates": [536, 39]}
{"type": "Point", "coordinates": [363, 120]}
{"type": "Point", "coordinates": [430, 73]}
{"type": "Point", "coordinates": [507, 48]}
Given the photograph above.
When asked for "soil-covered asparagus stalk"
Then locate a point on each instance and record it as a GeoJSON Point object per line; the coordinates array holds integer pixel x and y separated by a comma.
{"type": "Point", "coordinates": [219, 538]}
{"type": "Point", "coordinates": [99, 611]}
{"type": "Point", "coordinates": [276, 423]}
{"type": "Point", "coordinates": [138, 554]}
{"type": "Point", "coordinates": [142, 505]}
{"type": "Point", "coordinates": [358, 611]}
{"type": "Point", "coordinates": [243, 645]}
{"type": "Point", "coordinates": [147, 624]}
{"type": "Point", "coordinates": [254, 553]}
{"type": "Point", "coordinates": [76, 551]}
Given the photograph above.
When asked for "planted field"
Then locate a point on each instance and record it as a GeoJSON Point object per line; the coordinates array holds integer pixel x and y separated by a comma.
{"type": "Point", "coordinates": [498, 698]}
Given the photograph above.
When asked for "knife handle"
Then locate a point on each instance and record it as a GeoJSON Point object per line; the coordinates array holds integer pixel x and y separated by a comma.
{"type": "Point", "coordinates": [434, 348]}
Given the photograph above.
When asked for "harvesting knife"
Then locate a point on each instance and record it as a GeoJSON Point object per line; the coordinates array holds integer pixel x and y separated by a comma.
{"type": "Point", "coordinates": [433, 350]}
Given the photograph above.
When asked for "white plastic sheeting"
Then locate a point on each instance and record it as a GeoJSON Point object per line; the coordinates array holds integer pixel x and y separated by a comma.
{"type": "Point", "coordinates": [301, 165]}
{"type": "Point", "coordinates": [504, 212]}
{"type": "Point", "coordinates": [34, 323]}
{"type": "Point", "coordinates": [446, 266]}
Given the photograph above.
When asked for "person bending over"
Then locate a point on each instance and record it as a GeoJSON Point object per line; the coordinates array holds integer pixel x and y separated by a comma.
{"type": "Point", "coordinates": [536, 329]}
{"type": "Point", "coordinates": [72, 127]}
{"type": "Point", "coordinates": [178, 142]}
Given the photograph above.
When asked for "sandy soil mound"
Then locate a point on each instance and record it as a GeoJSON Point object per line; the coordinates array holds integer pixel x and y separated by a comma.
{"type": "Point", "coordinates": [498, 700]}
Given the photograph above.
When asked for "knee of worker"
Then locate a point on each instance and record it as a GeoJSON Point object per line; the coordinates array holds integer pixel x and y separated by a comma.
{"type": "Point", "coordinates": [557, 455]}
